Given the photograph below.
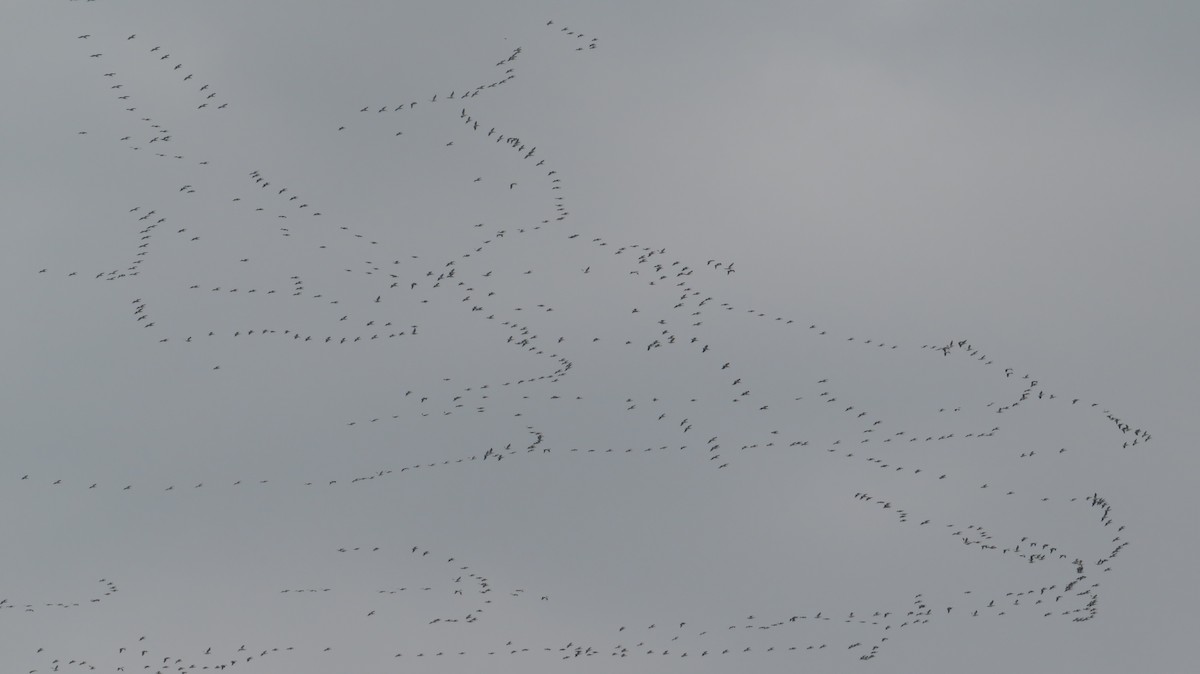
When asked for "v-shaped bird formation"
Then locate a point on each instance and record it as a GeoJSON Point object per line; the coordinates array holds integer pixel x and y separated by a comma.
{"type": "Point", "coordinates": [500, 332]}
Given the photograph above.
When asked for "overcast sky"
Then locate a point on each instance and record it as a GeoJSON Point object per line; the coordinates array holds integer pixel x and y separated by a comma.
{"type": "Point", "coordinates": [598, 337]}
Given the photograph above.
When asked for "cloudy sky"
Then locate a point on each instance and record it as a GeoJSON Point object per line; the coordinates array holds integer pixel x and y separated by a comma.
{"type": "Point", "coordinates": [598, 337]}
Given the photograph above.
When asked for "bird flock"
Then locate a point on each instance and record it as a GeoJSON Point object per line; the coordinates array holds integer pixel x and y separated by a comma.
{"type": "Point", "coordinates": [650, 367]}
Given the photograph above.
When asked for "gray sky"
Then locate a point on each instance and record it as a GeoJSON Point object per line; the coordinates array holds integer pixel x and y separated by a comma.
{"type": "Point", "coordinates": [962, 241]}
